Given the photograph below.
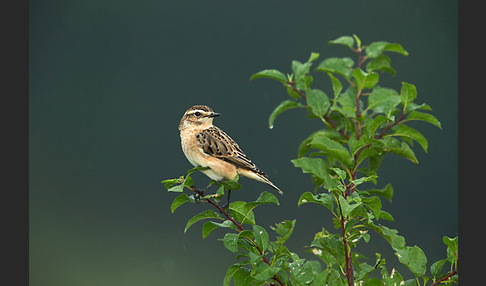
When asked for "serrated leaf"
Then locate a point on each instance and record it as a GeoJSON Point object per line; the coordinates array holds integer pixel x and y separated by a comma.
{"type": "Point", "coordinates": [414, 258]}
{"type": "Point", "coordinates": [318, 101]}
{"type": "Point", "coordinates": [302, 273]}
{"type": "Point", "coordinates": [270, 73]}
{"type": "Point", "coordinates": [284, 106]}
{"type": "Point", "coordinates": [201, 216]}
{"type": "Point", "coordinates": [316, 167]}
{"type": "Point", "coordinates": [178, 201]}
{"type": "Point", "coordinates": [342, 66]}
{"type": "Point", "coordinates": [409, 132]}
{"type": "Point", "coordinates": [417, 115]}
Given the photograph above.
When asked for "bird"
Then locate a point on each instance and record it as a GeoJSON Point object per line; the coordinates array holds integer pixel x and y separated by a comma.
{"type": "Point", "coordinates": [206, 145]}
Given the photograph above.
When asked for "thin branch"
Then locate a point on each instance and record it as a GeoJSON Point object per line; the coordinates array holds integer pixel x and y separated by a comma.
{"type": "Point", "coordinates": [239, 226]}
{"type": "Point", "coordinates": [444, 278]}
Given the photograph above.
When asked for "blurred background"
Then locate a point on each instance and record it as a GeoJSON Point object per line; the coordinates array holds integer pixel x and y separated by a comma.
{"type": "Point", "coordinates": [110, 80]}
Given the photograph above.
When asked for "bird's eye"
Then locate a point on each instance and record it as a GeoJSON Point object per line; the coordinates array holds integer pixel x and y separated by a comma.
{"type": "Point", "coordinates": [197, 113]}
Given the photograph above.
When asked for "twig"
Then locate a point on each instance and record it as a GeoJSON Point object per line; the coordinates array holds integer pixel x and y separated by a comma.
{"type": "Point", "coordinates": [444, 278]}
{"type": "Point", "coordinates": [239, 226]}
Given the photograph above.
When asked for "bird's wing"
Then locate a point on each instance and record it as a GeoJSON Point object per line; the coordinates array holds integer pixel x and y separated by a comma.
{"type": "Point", "coordinates": [215, 142]}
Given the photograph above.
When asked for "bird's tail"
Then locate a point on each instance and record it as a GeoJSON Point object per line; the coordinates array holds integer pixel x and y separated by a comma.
{"type": "Point", "coordinates": [260, 177]}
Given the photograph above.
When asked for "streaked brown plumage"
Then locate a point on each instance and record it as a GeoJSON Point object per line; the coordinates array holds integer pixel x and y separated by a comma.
{"type": "Point", "coordinates": [206, 145]}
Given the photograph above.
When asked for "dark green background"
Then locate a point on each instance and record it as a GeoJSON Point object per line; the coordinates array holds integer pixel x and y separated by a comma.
{"type": "Point", "coordinates": [109, 81]}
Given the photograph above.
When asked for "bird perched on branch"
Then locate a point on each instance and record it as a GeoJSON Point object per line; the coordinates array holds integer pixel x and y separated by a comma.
{"type": "Point", "coordinates": [206, 145]}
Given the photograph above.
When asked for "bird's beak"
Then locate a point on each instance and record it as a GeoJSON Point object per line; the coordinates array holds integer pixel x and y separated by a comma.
{"type": "Point", "coordinates": [214, 114]}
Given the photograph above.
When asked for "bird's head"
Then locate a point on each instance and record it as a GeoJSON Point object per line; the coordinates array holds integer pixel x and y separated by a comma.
{"type": "Point", "coordinates": [198, 116]}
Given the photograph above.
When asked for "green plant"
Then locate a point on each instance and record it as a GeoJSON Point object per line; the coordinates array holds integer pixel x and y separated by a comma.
{"type": "Point", "coordinates": [362, 122]}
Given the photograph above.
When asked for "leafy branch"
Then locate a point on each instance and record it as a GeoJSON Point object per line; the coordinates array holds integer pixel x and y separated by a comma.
{"type": "Point", "coordinates": [362, 123]}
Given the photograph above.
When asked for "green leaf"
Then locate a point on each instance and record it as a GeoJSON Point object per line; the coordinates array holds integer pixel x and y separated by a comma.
{"type": "Point", "coordinates": [284, 106]}
{"type": "Point", "coordinates": [242, 277]}
{"type": "Point", "coordinates": [380, 63]}
{"type": "Point", "coordinates": [452, 248]}
{"type": "Point", "coordinates": [230, 241]}
{"type": "Point", "coordinates": [322, 199]}
{"type": "Point", "coordinates": [408, 93]}
{"type": "Point", "coordinates": [176, 189]}
{"type": "Point", "coordinates": [302, 273]}
{"type": "Point", "coordinates": [386, 192]}
{"type": "Point", "coordinates": [210, 226]}
{"type": "Point", "coordinates": [264, 198]}
{"type": "Point", "coordinates": [383, 100]}
{"type": "Point", "coordinates": [375, 124]}
{"type": "Point", "coordinates": [195, 169]}
{"type": "Point", "coordinates": [417, 115]}
{"type": "Point", "coordinates": [333, 149]}
{"type": "Point", "coordinates": [313, 57]}
{"type": "Point", "coordinates": [284, 229]}
{"type": "Point", "coordinates": [374, 204]}
{"type": "Point", "coordinates": [337, 86]}
{"type": "Point", "coordinates": [318, 101]}
{"type": "Point", "coordinates": [365, 80]}
{"type": "Point", "coordinates": [314, 166]}
{"type": "Point", "coordinates": [342, 66]}
{"type": "Point", "coordinates": [347, 207]}
{"type": "Point", "coordinates": [170, 182]}
{"type": "Point", "coordinates": [230, 184]}
{"type": "Point", "coordinates": [240, 212]}
{"type": "Point", "coordinates": [396, 241]}
{"type": "Point", "coordinates": [261, 237]}
{"type": "Point", "coordinates": [409, 132]}
{"type": "Point", "coordinates": [230, 273]}
{"type": "Point", "coordinates": [201, 216]}
{"type": "Point", "coordinates": [178, 201]}
{"type": "Point", "coordinates": [401, 149]}
{"type": "Point", "coordinates": [437, 266]}
{"type": "Point", "coordinates": [376, 49]}
{"type": "Point", "coordinates": [414, 258]}
{"type": "Point", "coordinates": [343, 40]}
{"type": "Point", "coordinates": [270, 73]}
{"type": "Point", "coordinates": [263, 271]}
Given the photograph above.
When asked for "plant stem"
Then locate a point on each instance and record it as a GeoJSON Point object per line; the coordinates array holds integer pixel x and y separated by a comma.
{"type": "Point", "coordinates": [239, 226]}
{"type": "Point", "coordinates": [347, 249]}
{"type": "Point", "coordinates": [444, 278]}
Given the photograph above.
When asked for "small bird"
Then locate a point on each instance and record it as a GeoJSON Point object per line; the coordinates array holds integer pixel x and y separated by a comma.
{"type": "Point", "coordinates": [205, 145]}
